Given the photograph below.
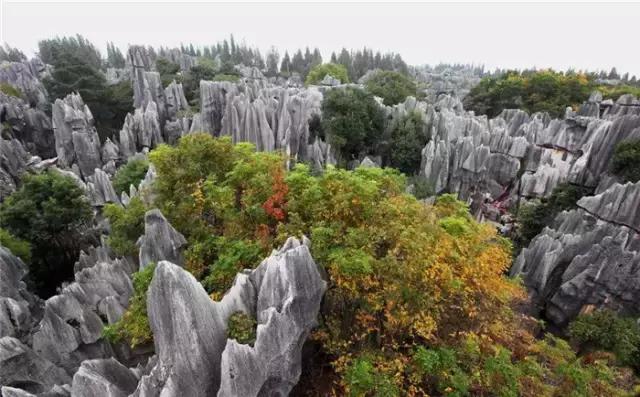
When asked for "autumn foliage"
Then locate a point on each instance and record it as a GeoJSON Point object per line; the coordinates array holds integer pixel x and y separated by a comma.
{"type": "Point", "coordinates": [418, 302]}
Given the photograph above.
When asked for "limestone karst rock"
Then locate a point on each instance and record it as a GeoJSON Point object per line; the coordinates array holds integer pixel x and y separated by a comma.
{"type": "Point", "coordinates": [588, 256]}
{"type": "Point", "coordinates": [71, 329]}
{"type": "Point", "coordinates": [175, 99]}
{"type": "Point", "coordinates": [31, 126]}
{"type": "Point", "coordinates": [194, 356]}
{"type": "Point", "coordinates": [517, 156]}
{"type": "Point", "coordinates": [22, 367]}
{"type": "Point", "coordinates": [103, 377]}
{"type": "Point", "coordinates": [19, 309]}
{"type": "Point", "coordinates": [160, 240]}
{"type": "Point", "coordinates": [13, 163]}
{"type": "Point", "coordinates": [25, 77]}
{"type": "Point", "coordinates": [76, 138]}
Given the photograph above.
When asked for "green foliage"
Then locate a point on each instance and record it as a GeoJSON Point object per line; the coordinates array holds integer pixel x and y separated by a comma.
{"type": "Point", "coordinates": [362, 378]}
{"type": "Point", "coordinates": [226, 77]}
{"type": "Point", "coordinates": [352, 121]}
{"type": "Point", "coordinates": [534, 217]}
{"type": "Point", "coordinates": [133, 328]}
{"type": "Point", "coordinates": [408, 136]}
{"type": "Point", "coordinates": [616, 91]}
{"type": "Point", "coordinates": [605, 330]}
{"type": "Point", "coordinates": [49, 211]}
{"type": "Point", "coordinates": [127, 225]}
{"type": "Point", "coordinates": [130, 174]}
{"type": "Point", "coordinates": [76, 68]}
{"type": "Point", "coordinates": [537, 91]}
{"type": "Point", "coordinates": [242, 328]}
{"type": "Point", "coordinates": [392, 87]}
{"type": "Point", "coordinates": [227, 258]}
{"type": "Point", "coordinates": [318, 72]}
{"type": "Point", "coordinates": [421, 187]}
{"type": "Point", "coordinates": [10, 90]}
{"type": "Point", "coordinates": [10, 54]}
{"type": "Point", "coordinates": [626, 161]}
{"type": "Point", "coordinates": [168, 71]}
{"type": "Point", "coordinates": [18, 247]}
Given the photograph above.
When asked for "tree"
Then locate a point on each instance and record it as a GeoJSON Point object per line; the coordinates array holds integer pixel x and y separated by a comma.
{"type": "Point", "coordinates": [115, 59]}
{"type": "Point", "coordinates": [318, 73]}
{"type": "Point", "coordinates": [129, 174]}
{"type": "Point", "coordinates": [392, 87]}
{"type": "Point", "coordinates": [408, 136]}
{"type": "Point", "coordinates": [168, 70]}
{"type": "Point", "coordinates": [285, 66]}
{"type": "Point", "coordinates": [10, 54]}
{"type": "Point", "coordinates": [76, 68]}
{"type": "Point", "coordinates": [626, 161]}
{"type": "Point", "coordinates": [273, 57]}
{"type": "Point", "coordinates": [51, 212]}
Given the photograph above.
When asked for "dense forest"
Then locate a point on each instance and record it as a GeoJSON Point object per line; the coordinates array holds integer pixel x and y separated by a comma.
{"type": "Point", "coordinates": [420, 298]}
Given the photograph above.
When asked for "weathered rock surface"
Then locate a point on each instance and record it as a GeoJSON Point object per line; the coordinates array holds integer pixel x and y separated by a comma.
{"type": "Point", "coordinates": [589, 256]}
{"type": "Point", "coordinates": [105, 377]}
{"type": "Point", "coordinates": [71, 329]}
{"type": "Point", "coordinates": [160, 240]}
{"type": "Point", "coordinates": [517, 156]}
{"type": "Point", "coordinates": [19, 309]}
{"type": "Point", "coordinates": [194, 356]}
{"type": "Point", "coordinates": [76, 138]}
{"type": "Point", "coordinates": [21, 367]}
{"type": "Point", "coordinates": [31, 126]}
{"type": "Point", "coordinates": [25, 77]}
{"type": "Point", "coordinates": [13, 162]}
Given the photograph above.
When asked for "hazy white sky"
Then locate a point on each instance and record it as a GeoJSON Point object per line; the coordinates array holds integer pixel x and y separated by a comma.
{"type": "Point", "coordinates": [583, 36]}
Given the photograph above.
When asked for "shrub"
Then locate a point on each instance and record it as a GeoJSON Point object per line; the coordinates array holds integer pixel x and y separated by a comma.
{"type": "Point", "coordinates": [352, 121]}
{"type": "Point", "coordinates": [626, 161]}
{"type": "Point", "coordinates": [392, 87]}
{"type": "Point", "coordinates": [133, 328]}
{"type": "Point", "coordinates": [533, 91]}
{"type": "Point", "coordinates": [10, 90]}
{"type": "Point", "coordinates": [533, 217]}
{"type": "Point", "coordinates": [50, 211]}
{"type": "Point", "coordinates": [127, 225]}
{"type": "Point", "coordinates": [167, 70]}
{"type": "Point", "coordinates": [318, 73]}
{"type": "Point", "coordinates": [130, 174]}
{"type": "Point", "coordinates": [605, 330]}
{"type": "Point", "coordinates": [18, 247]}
{"type": "Point", "coordinates": [408, 136]}
{"type": "Point", "coordinates": [242, 328]}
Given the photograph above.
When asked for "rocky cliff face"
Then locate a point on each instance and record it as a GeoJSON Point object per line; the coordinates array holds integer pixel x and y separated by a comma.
{"type": "Point", "coordinates": [590, 256]}
{"type": "Point", "coordinates": [517, 156]}
{"type": "Point", "coordinates": [25, 76]}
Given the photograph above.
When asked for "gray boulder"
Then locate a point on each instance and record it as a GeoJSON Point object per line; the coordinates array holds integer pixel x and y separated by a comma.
{"type": "Point", "coordinates": [106, 377]}
{"type": "Point", "coordinates": [21, 367]}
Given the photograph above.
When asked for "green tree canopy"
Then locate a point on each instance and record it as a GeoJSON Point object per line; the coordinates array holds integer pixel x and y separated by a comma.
{"type": "Point", "coordinates": [408, 136]}
{"type": "Point", "coordinates": [352, 121]}
{"type": "Point", "coordinates": [50, 211]}
{"type": "Point", "coordinates": [392, 87]}
{"type": "Point", "coordinates": [318, 72]}
{"type": "Point", "coordinates": [626, 161]}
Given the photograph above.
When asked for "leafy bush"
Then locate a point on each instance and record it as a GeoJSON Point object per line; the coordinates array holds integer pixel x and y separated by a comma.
{"type": "Point", "coordinates": [392, 87]}
{"type": "Point", "coordinates": [133, 327]}
{"type": "Point", "coordinates": [226, 77]}
{"type": "Point", "coordinates": [242, 328]}
{"type": "Point", "coordinates": [352, 121]}
{"type": "Point", "coordinates": [168, 71]}
{"type": "Point", "coordinates": [127, 225]}
{"type": "Point", "coordinates": [19, 248]}
{"type": "Point", "coordinates": [50, 211]}
{"type": "Point", "coordinates": [318, 72]}
{"type": "Point", "coordinates": [408, 136]}
{"type": "Point", "coordinates": [537, 91]}
{"type": "Point", "coordinates": [605, 330]}
{"type": "Point", "coordinates": [533, 217]}
{"type": "Point", "coordinates": [626, 161]}
{"type": "Point", "coordinates": [10, 90]}
{"type": "Point", "coordinates": [362, 378]}
{"type": "Point", "coordinates": [130, 174]}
